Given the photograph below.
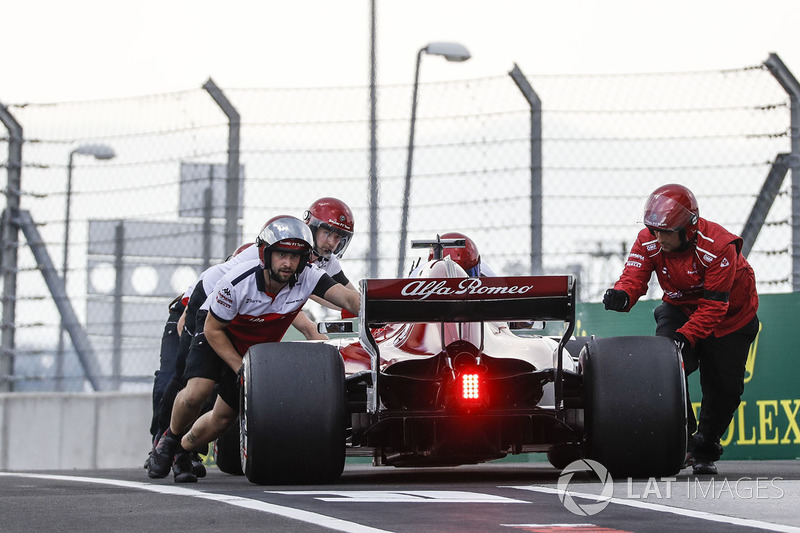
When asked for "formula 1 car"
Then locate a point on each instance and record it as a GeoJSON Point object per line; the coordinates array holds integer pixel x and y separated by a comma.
{"type": "Point", "coordinates": [438, 378]}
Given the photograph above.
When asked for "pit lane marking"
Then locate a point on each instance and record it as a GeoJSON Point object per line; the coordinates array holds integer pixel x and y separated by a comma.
{"type": "Point", "coordinates": [236, 501]}
{"type": "Point", "coordinates": [398, 496]}
{"type": "Point", "coordinates": [702, 515]}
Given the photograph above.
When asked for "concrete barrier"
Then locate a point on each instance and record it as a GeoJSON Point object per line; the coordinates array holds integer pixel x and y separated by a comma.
{"type": "Point", "coordinates": [57, 431]}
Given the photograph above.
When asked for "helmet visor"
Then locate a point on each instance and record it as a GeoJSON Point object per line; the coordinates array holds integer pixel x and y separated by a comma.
{"type": "Point", "coordinates": [662, 213]}
{"type": "Point", "coordinates": [325, 234]}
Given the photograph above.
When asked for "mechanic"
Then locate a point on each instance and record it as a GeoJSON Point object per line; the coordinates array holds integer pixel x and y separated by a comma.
{"type": "Point", "coordinates": [167, 356]}
{"type": "Point", "coordinates": [254, 302]}
{"type": "Point", "coordinates": [467, 257]}
{"type": "Point", "coordinates": [173, 362]}
{"type": "Point", "coordinates": [331, 222]}
{"type": "Point", "coordinates": [709, 307]}
{"type": "Point", "coordinates": [175, 346]}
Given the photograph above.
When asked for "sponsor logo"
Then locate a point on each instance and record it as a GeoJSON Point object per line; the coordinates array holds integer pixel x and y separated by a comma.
{"type": "Point", "coordinates": [253, 301]}
{"type": "Point", "coordinates": [664, 270]}
{"type": "Point", "coordinates": [708, 257]}
{"type": "Point", "coordinates": [566, 495]}
{"type": "Point", "coordinates": [256, 319]}
{"type": "Point", "coordinates": [423, 289]}
{"type": "Point", "coordinates": [226, 291]}
{"type": "Point", "coordinates": [637, 256]}
{"type": "Point", "coordinates": [636, 264]}
{"type": "Point", "coordinates": [651, 247]}
{"type": "Point", "coordinates": [724, 262]}
{"type": "Point", "coordinates": [223, 303]}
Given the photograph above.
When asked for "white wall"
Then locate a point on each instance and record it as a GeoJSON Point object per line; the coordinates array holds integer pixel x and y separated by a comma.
{"type": "Point", "coordinates": [56, 431]}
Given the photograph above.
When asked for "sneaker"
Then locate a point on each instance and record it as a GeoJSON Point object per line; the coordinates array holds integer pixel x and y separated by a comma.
{"type": "Point", "coordinates": [161, 457]}
{"type": "Point", "coordinates": [198, 468]}
{"type": "Point", "coordinates": [704, 467]}
{"type": "Point", "coordinates": [182, 468]}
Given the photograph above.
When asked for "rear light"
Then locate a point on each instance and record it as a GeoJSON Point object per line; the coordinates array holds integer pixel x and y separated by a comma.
{"type": "Point", "coordinates": [470, 387]}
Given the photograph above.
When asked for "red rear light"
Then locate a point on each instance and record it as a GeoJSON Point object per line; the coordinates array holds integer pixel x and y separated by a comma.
{"type": "Point", "coordinates": [470, 386]}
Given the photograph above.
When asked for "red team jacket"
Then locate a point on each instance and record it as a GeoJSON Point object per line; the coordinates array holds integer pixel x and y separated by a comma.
{"type": "Point", "coordinates": [711, 282]}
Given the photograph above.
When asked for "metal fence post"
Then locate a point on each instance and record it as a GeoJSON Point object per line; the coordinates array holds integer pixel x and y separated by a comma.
{"type": "Point", "coordinates": [119, 266]}
{"type": "Point", "coordinates": [372, 251]}
{"type": "Point", "coordinates": [536, 167]}
{"type": "Point", "coordinates": [232, 182]}
{"type": "Point", "coordinates": [792, 88]}
{"type": "Point", "coordinates": [8, 248]}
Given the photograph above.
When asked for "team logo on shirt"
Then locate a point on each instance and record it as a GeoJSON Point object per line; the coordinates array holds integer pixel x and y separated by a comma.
{"type": "Point", "coordinates": [724, 262]}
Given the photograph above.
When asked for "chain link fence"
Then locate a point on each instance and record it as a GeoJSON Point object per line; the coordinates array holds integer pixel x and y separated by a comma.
{"type": "Point", "coordinates": [607, 142]}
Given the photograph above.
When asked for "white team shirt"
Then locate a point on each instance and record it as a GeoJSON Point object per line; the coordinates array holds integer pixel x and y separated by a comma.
{"type": "Point", "coordinates": [240, 300]}
{"type": "Point", "coordinates": [212, 274]}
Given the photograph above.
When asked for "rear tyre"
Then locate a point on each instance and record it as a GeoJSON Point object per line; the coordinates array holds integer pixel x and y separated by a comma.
{"type": "Point", "coordinates": [292, 414]}
{"type": "Point", "coordinates": [226, 451]}
{"type": "Point", "coordinates": [635, 406]}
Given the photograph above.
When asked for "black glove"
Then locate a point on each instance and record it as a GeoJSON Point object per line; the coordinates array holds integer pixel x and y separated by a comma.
{"type": "Point", "coordinates": [615, 300]}
{"type": "Point", "coordinates": [680, 341]}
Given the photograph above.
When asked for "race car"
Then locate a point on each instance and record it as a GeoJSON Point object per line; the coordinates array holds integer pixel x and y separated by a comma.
{"type": "Point", "coordinates": [437, 377]}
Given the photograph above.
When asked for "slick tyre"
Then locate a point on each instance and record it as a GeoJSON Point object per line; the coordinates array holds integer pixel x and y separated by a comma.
{"type": "Point", "coordinates": [635, 406]}
{"type": "Point", "coordinates": [292, 414]}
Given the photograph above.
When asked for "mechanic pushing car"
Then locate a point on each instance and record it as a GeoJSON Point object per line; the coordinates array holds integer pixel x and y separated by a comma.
{"type": "Point", "coordinates": [255, 302]}
{"type": "Point", "coordinates": [709, 307]}
{"type": "Point", "coordinates": [331, 222]}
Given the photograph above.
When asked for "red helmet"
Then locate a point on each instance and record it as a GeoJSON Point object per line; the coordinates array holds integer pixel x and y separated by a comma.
{"type": "Point", "coordinates": [467, 256]}
{"type": "Point", "coordinates": [286, 233]}
{"type": "Point", "coordinates": [333, 215]}
{"type": "Point", "coordinates": [672, 207]}
{"type": "Point", "coordinates": [241, 249]}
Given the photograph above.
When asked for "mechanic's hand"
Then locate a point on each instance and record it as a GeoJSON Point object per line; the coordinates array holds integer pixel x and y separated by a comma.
{"type": "Point", "coordinates": [615, 300]}
{"type": "Point", "coordinates": [680, 341]}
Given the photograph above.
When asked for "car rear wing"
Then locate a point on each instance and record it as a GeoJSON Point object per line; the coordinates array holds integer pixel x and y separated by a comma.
{"type": "Point", "coordinates": [467, 299]}
{"type": "Point", "coordinates": [486, 299]}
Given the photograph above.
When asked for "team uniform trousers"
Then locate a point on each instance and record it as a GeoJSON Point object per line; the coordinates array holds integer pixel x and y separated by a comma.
{"type": "Point", "coordinates": [167, 357]}
{"type": "Point", "coordinates": [721, 361]}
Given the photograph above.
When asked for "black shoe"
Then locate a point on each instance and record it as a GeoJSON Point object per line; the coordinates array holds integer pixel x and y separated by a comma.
{"type": "Point", "coordinates": [704, 467]}
{"type": "Point", "coordinates": [198, 468]}
{"type": "Point", "coordinates": [182, 469]}
{"type": "Point", "coordinates": [161, 457]}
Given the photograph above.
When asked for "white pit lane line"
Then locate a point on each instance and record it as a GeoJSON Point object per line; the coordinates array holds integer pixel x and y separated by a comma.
{"type": "Point", "coordinates": [702, 515]}
{"type": "Point", "coordinates": [256, 505]}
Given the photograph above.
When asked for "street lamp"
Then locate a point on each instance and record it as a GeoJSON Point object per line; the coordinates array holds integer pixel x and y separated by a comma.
{"type": "Point", "coordinates": [451, 52]}
{"type": "Point", "coordinates": [98, 151]}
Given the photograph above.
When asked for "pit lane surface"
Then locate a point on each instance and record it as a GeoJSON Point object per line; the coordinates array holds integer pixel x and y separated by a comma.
{"type": "Point", "coordinates": [746, 496]}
